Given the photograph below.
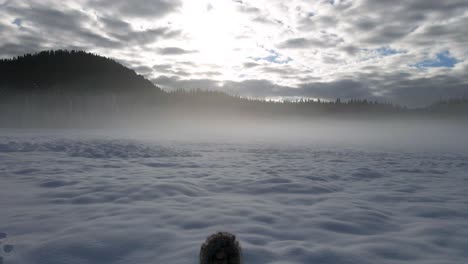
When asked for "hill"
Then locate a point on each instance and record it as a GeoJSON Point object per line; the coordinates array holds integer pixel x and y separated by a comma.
{"type": "Point", "coordinates": [70, 73]}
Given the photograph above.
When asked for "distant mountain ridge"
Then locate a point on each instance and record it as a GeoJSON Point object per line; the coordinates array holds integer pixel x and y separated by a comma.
{"type": "Point", "coordinates": [75, 88]}
{"type": "Point", "coordinates": [70, 72]}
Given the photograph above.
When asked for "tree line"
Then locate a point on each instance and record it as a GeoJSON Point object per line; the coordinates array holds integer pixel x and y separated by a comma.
{"type": "Point", "coordinates": [75, 86]}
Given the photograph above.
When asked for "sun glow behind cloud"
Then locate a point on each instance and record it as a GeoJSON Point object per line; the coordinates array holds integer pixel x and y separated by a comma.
{"type": "Point", "coordinates": [222, 36]}
{"type": "Point", "coordinates": [211, 29]}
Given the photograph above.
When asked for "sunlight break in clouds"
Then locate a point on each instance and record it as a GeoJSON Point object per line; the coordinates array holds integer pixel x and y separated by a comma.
{"type": "Point", "coordinates": [408, 52]}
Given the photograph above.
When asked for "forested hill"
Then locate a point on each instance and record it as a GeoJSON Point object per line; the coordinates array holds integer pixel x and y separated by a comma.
{"type": "Point", "coordinates": [70, 73]}
{"type": "Point", "coordinates": [72, 88]}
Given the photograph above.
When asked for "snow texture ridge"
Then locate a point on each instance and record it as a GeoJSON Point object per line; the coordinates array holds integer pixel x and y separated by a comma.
{"type": "Point", "coordinates": [95, 201]}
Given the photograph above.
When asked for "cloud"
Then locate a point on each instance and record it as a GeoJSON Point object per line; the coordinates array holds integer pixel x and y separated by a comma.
{"type": "Point", "coordinates": [42, 27]}
{"type": "Point", "coordinates": [409, 52]}
{"type": "Point", "coordinates": [173, 83]}
{"type": "Point", "coordinates": [394, 21]}
{"type": "Point", "coordinates": [174, 51]}
{"type": "Point", "coordinates": [146, 36]}
{"type": "Point", "coordinates": [124, 32]}
{"type": "Point", "coordinates": [250, 64]}
{"type": "Point", "coordinates": [175, 71]}
{"type": "Point", "coordinates": [424, 91]}
{"type": "Point", "coordinates": [345, 89]}
{"type": "Point", "coordinates": [248, 9]}
{"type": "Point", "coordinates": [323, 41]}
{"type": "Point", "coordinates": [388, 34]}
{"type": "Point", "coordinates": [350, 49]}
{"type": "Point", "coordinates": [398, 88]}
{"type": "Point", "coordinates": [296, 43]}
{"type": "Point", "coordinates": [366, 23]}
{"type": "Point", "coordinates": [12, 49]}
{"type": "Point", "coordinates": [50, 18]}
{"type": "Point", "coordinates": [136, 8]}
{"type": "Point", "coordinates": [266, 20]}
{"type": "Point", "coordinates": [143, 69]}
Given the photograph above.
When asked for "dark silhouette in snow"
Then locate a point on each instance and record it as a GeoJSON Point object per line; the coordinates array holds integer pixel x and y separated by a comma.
{"type": "Point", "coordinates": [221, 248]}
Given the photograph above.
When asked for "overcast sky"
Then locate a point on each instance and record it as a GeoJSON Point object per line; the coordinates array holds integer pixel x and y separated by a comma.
{"type": "Point", "coordinates": [410, 52]}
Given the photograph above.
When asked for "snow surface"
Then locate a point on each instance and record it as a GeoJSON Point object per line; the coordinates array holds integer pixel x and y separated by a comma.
{"type": "Point", "coordinates": [97, 199]}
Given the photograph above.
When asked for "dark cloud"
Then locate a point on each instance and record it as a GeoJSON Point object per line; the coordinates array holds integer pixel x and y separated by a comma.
{"type": "Point", "coordinates": [8, 50]}
{"type": "Point", "coordinates": [388, 34]}
{"type": "Point", "coordinates": [146, 36]}
{"type": "Point", "coordinates": [397, 87]}
{"type": "Point", "coordinates": [50, 18]}
{"type": "Point", "coordinates": [142, 69]}
{"type": "Point", "coordinates": [256, 88]}
{"type": "Point", "coordinates": [403, 88]}
{"type": "Point", "coordinates": [454, 31]}
{"type": "Point", "coordinates": [162, 68]}
{"type": "Point", "coordinates": [30, 43]}
{"type": "Point", "coordinates": [62, 29]}
{"type": "Point", "coordinates": [350, 49]}
{"type": "Point", "coordinates": [171, 69]}
{"type": "Point", "coordinates": [266, 20]}
{"type": "Point", "coordinates": [424, 91]}
{"type": "Point", "coordinates": [45, 26]}
{"type": "Point", "coordinates": [327, 21]}
{"type": "Point", "coordinates": [323, 41]}
{"type": "Point", "coordinates": [438, 6]}
{"type": "Point", "coordinates": [181, 73]}
{"type": "Point", "coordinates": [281, 70]}
{"type": "Point", "coordinates": [248, 9]}
{"type": "Point", "coordinates": [366, 23]}
{"type": "Point", "coordinates": [123, 32]}
{"type": "Point", "coordinates": [188, 63]}
{"type": "Point", "coordinates": [174, 51]}
{"type": "Point", "coordinates": [296, 43]}
{"type": "Point", "coordinates": [318, 22]}
{"type": "Point", "coordinates": [395, 20]}
{"type": "Point", "coordinates": [210, 73]}
{"type": "Point", "coordinates": [136, 8]}
{"type": "Point", "coordinates": [329, 59]}
{"type": "Point", "coordinates": [173, 83]}
{"type": "Point", "coordinates": [117, 25]}
{"type": "Point", "coordinates": [251, 64]}
{"type": "Point", "coordinates": [345, 89]}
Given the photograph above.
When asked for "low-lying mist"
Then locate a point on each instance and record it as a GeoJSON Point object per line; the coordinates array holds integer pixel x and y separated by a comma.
{"type": "Point", "coordinates": [431, 134]}
{"type": "Point", "coordinates": [434, 134]}
{"type": "Point", "coordinates": [213, 116]}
